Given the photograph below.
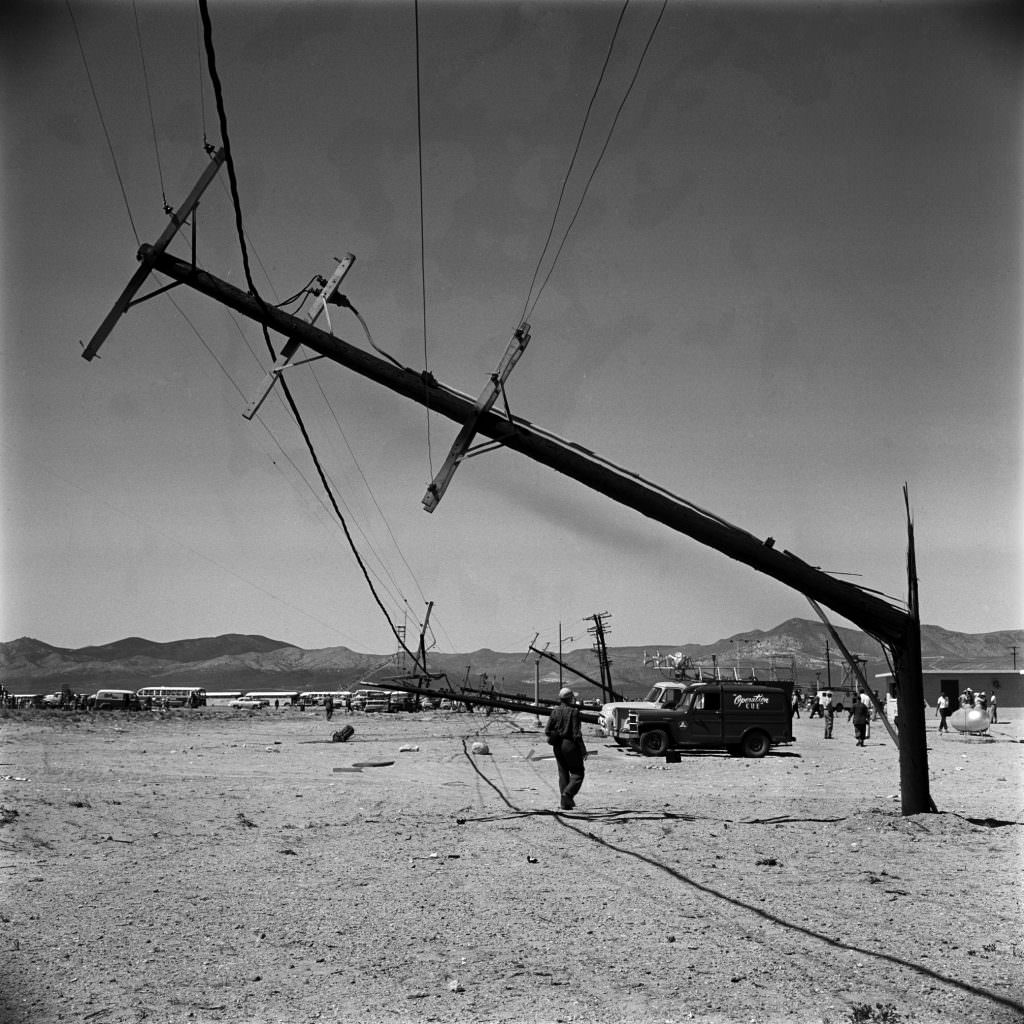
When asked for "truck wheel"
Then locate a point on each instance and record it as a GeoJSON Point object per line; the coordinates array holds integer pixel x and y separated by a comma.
{"type": "Point", "coordinates": [654, 743]}
{"type": "Point", "coordinates": [755, 744]}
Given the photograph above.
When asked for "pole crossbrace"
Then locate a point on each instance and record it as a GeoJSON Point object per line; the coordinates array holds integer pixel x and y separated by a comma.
{"type": "Point", "coordinates": [149, 254]}
{"type": "Point", "coordinates": [284, 358]}
{"type": "Point", "coordinates": [460, 449]}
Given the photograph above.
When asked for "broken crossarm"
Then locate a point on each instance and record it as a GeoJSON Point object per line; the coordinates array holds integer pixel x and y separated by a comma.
{"type": "Point", "coordinates": [148, 256]}
{"type": "Point", "coordinates": [460, 447]}
{"type": "Point", "coordinates": [292, 345]}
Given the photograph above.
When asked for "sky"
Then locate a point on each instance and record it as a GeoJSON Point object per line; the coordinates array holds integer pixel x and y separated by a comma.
{"type": "Point", "coordinates": [793, 285]}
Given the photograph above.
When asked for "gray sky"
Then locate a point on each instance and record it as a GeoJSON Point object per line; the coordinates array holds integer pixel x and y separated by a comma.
{"type": "Point", "coordinates": [793, 284]}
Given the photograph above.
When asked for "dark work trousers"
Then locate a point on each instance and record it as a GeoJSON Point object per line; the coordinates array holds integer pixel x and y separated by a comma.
{"type": "Point", "coordinates": [569, 758]}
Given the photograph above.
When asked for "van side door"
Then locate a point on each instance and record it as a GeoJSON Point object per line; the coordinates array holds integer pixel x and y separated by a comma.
{"type": "Point", "coordinates": [705, 718]}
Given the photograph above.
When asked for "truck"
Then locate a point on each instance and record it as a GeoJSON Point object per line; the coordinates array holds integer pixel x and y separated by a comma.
{"type": "Point", "coordinates": [744, 718]}
{"type": "Point", "coordinates": [611, 722]}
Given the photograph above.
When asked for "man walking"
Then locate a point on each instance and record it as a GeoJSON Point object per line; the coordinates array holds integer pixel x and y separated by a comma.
{"type": "Point", "coordinates": [942, 706]}
{"type": "Point", "coordinates": [861, 716]}
{"type": "Point", "coordinates": [829, 714]}
{"type": "Point", "coordinates": [566, 739]}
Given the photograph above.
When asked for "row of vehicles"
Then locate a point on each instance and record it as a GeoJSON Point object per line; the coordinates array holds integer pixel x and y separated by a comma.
{"type": "Point", "coordinates": [118, 699]}
{"type": "Point", "coordinates": [158, 697]}
{"type": "Point", "coordinates": [369, 700]}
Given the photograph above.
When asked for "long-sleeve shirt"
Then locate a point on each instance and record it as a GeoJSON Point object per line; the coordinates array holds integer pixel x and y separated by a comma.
{"type": "Point", "coordinates": [564, 723]}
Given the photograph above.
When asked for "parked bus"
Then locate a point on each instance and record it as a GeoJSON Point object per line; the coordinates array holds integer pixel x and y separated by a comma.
{"type": "Point", "coordinates": [173, 696]}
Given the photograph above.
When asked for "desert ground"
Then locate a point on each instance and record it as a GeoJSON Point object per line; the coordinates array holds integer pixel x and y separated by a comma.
{"type": "Point", "coordinates": [215, 865]}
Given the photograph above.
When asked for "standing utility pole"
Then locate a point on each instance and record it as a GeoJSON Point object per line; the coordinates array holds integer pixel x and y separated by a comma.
{"type": "Point", "coordinates": [598, 632]}
{"type": "Point", "coordinates": [887, 622]}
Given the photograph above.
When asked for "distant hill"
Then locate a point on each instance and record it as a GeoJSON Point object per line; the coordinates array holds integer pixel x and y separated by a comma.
{"type": "Point", "coordinates": [241, 662]}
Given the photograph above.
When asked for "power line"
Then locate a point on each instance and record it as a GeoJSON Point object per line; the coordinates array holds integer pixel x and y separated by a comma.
{"type": "Point", "coordinates": [149, 103]}
{"type": "Point", "coordinates": [572, 161]}
{"type": "Point", "coordinates": [222, 115]}
{"type": "Point", "coordinates": [600, 157]}
{"type": "Point", "coordinates": [423, 258]}
{"type": "Point", "coordinates": [399, 599]}
{"type": "Point", "coordinates": [103, 123]}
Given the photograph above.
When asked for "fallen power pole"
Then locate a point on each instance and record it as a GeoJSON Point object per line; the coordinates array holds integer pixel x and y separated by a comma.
{"type": "Point", "coordinates": [575, 671]}
{"type": "Point", "coordinates": [892, 625]}
{"type": "Point", "coordinates": [493, 700]}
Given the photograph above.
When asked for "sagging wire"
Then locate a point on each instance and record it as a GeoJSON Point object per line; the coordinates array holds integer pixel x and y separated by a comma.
{"type": "Point", "coordinates": [168, 209]}
{"type": "Point", "coordinates": [236, 203]}
{"type": "Point", "coordinates": [423, 257]}
{"type": "Point", "coordinates": [343, 301]}
{"type": "Point", "coordinates": [572, 161]}
{"type": "Point", "coordinates": [103, 123]}
{"type": "Point", "coordinates": [597, 163]}
{"type": "Point", "coordinates": [199, 64]}
{"type": "Point", "coordinates": [306, 289]}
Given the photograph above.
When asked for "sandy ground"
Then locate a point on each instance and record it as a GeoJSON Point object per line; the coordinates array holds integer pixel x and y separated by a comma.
{"type": "Point", "coordinates": [232, 866]}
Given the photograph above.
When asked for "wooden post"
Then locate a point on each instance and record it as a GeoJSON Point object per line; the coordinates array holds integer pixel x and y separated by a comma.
{"type": "Point", "coordinates": [882, 619]}
{"type": "Point", "coordinates": [148, 255]}
{"type": "Point", "coordinates": [914, 794]}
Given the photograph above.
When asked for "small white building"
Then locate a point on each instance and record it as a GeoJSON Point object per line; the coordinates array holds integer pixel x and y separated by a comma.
{"type": "Point", "coordinates": [1006, 685]}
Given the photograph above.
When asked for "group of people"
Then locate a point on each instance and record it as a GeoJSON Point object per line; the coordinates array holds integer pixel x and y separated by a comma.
{"type": "Point", "coordinates": [859, 713]}
{"type": "Point", "coordinates": [969, 699]}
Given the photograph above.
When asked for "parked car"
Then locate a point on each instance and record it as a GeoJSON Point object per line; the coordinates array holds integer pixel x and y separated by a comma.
{"type": "Point", "coordinates": [377, 702]}
{"type": "Point", "coordinates": [252, 703]}
{"type": "Point", "coordinates": [114, 700]}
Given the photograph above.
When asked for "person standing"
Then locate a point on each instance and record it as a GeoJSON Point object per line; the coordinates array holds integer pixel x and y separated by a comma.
{"type": "Point", "coordinates": [796, 706]}
{"type": "Point", "coordinates": [829, 714]}
{"type": "Point", "coordinates": [993, 713]}
{"type": "Point", "coordinates": [328, 707]}
{"type": "Point", "coordinates": [942, 707]}
{"type": "Point", "coordinates": [566, 738]}
{"type": "Point", "coordinates": [861, 716]}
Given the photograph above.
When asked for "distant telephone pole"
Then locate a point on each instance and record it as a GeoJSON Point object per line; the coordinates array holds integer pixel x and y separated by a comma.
{"type": "Point", "coordinates": [1013, 651]}
{"type": "Point", "coordinates": [599, 631]}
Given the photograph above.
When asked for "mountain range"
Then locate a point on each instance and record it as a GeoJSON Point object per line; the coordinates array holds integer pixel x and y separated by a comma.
{"type": "Point", "coordinates": [244, 662]}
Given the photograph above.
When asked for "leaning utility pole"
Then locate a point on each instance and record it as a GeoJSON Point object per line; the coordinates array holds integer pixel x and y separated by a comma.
{"type": "Point", "coordinates": [897, 628]}
{"type": "Point", "coordinates": [598, 631]}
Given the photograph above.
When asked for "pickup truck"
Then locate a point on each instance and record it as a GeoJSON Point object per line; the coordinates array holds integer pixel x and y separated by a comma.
{"type": "Point", "coordinates": [745, 719]}
{"type": "Point", "coordinates": [611, 722]}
